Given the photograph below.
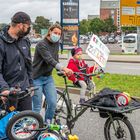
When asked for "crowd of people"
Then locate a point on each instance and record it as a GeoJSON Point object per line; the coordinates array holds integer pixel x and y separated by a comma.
{"type": "Point", "coordinates": [18, 70]}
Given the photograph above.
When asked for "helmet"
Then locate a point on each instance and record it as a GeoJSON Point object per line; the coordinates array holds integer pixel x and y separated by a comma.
{"type": "Point", "coordinates": [48, 136]}
{"type": "Point", "coordinates": [123, 99]}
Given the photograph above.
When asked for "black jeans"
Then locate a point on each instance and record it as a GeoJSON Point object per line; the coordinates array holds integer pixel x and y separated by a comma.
{"type": "Point", "coordinates": [24, 104]}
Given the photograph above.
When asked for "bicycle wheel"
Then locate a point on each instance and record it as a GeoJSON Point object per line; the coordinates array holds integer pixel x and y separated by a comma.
{"type": "Point", "coordinates": [119, 129]}
{"type": "Point", "coordinates": [50, 135]}
{"type": "Point", "coordinates": [20, 125]}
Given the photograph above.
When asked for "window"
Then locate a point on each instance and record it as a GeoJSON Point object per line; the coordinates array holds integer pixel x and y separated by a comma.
{"type": "Point", "coordinates": [129, 39]}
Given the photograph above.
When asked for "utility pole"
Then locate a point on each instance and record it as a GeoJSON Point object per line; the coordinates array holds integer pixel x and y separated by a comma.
{"type": "Point", "coordinates": [138, 44]}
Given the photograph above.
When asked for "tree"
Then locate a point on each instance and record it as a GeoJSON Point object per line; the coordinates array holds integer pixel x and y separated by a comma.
{"type": "Point", "coordinates": [41, 23]}
{"type": "Point", "coordinates": [109, 25]}
{"type": "Point", "coordinates": [96, 25]}
{"type": "Point", "coordinates": [84, 27]}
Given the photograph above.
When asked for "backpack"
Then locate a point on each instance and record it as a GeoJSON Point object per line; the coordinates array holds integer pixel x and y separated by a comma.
{"type": "Point", "coordinates": [105, 98]}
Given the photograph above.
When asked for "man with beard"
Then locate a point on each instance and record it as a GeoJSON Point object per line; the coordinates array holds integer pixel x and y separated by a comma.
{"type": "Point", "coordinates": [15, 58]}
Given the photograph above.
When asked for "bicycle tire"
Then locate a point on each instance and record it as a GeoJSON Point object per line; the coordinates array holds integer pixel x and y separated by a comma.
{"type": "Point", "coordinates": [120, 130]}
{"type": "Point", "coordinates": [53, 134]}
{"type": "Point", "coordinates": [19, 118]}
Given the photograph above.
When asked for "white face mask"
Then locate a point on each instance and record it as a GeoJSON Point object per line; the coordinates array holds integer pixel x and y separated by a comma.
{"type": "Point", "coordinates": [54, 37]}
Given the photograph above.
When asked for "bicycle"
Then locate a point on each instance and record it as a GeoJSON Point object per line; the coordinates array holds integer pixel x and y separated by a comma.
{"type": "Point", "coordinates": [29, 130]}
{"type": "Point", "coordinates": [110, 104]}
{"type": "Point", "coordinates": [28, 125]}
{"type": "Point", "coordinates": [18, 120]}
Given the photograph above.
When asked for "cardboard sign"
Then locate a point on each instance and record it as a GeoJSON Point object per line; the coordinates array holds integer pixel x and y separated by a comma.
{"type": "Point", "coordinates": [98, 51]}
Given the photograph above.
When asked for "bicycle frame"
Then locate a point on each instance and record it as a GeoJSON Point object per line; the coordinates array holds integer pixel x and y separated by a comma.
{"type": "Point", "coordinates": [112, 112]}
{"type": "Point", "coordinates": [70, 118]}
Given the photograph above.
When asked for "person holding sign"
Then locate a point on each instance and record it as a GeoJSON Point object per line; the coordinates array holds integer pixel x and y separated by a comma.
{"type": "Point", "coordinates": [77, 64]}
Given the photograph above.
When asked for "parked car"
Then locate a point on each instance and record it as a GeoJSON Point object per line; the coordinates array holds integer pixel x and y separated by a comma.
{"type": "Point", "coordinates": [104, 39]}
{"type": "Point", "coordinates": [111, 40]}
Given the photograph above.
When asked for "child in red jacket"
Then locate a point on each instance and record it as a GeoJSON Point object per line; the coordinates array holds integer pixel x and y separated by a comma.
{"type": "Point", "coordinates": [77, 64]}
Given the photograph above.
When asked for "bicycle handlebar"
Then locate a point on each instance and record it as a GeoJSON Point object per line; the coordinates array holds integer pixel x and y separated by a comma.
{"type": "Point", "coordinates": [18, 92]}
{"type": "Point", "coordinates": [61, 73]}
{"type": "Point", "coordinates": [89, 75]}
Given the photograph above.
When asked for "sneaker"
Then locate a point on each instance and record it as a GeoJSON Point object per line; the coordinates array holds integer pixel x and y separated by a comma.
{"type": "Point", "coordinates": [47, 122]}
{"type": "Point", "coordinates": [82, 100]}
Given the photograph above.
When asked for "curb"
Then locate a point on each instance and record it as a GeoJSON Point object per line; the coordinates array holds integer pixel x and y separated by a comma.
{"type": "Point", "coordinates": [77, 91]}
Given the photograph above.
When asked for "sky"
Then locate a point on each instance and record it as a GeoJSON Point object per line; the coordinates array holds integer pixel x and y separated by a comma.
{"type": "Point", "coordinates": [50, 9]}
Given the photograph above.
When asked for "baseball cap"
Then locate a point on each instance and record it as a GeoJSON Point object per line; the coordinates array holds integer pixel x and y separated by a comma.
{"type": "Point", "coordinates": [21, 17]}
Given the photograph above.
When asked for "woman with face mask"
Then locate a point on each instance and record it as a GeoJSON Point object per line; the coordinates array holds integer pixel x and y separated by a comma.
{"type": "Point", "coordinates": [45, 59]}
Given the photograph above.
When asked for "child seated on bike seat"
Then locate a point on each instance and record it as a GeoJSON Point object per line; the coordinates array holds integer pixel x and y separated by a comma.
{"type": "Point", "coordinates": [77, 64]}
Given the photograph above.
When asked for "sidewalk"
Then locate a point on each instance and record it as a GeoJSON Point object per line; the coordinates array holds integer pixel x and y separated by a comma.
{"type": "Point", "coordinates": [112, 58]}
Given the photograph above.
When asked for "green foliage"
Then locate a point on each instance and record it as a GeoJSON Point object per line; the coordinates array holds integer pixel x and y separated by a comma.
{"type": "Point", "coordinates": [129, 29]}
{"type": "Point", "coordinates": [109, 25]}
{"type": "Point", "coordinates": [126, 83]}
{"type": "Point", "coordinates": [97, 26]}
{"type": "Point", "coordinates": [41, 23]}
{"type": "Point", "coordinates": [84, 27]}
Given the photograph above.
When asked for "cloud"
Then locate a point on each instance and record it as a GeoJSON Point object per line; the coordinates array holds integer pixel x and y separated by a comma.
{"type": "Point", "coordinates": [50, 9]}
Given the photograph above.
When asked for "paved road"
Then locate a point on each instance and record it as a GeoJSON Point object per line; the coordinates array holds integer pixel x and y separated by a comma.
{"type": "Point", "coordinates": [117, 67]}
{"type": "Point", "coordinates": [123, 68]}
{"type": "Point", "coordinates": [91, 127]}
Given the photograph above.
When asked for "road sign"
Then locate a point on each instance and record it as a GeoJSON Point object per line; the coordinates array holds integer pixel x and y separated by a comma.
{"type": "Point", "coordinates": [130, 12]}
{"type": "Point", "coordinates": [70, 11]}
{"type": "Point", "coordinates": [70, 36]}
{"type": "Point", "coordinates": [70, 23]}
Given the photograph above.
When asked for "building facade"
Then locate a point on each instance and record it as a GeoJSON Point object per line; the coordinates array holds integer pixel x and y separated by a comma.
{"type": "Point", "coordinates": [90, 17]}
{"type": "Point", "coordinates": [110, 8]}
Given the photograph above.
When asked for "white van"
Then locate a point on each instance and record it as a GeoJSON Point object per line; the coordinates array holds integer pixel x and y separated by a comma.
{"type": "Point", "coordinates": [129, 43]}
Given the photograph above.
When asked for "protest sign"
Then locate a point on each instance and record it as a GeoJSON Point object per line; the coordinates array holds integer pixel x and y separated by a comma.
{"type": "Point", "coordinates": [98, 51]}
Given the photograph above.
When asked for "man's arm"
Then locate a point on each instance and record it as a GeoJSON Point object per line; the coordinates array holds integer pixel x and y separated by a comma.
{"type": "Point", "coordinates": [3, 84]}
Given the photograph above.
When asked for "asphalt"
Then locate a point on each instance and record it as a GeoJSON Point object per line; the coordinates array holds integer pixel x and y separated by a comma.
{"type": "Point", "coordinates": [112, 58]}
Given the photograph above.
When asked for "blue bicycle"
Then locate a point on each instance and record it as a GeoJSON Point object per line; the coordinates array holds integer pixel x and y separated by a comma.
{"type": "Point", "coordinates": [15, 125]}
